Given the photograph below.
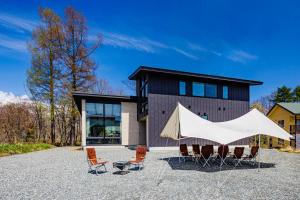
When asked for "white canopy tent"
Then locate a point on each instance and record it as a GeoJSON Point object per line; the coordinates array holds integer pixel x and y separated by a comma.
{"type": "Point", "coordinates": [185, 124]}
{"type": "Point", "coordinates": [257, 123]}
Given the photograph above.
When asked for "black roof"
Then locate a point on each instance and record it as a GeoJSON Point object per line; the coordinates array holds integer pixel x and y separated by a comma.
{"type": "Point", "coordinates": [143, 69]}
{"type": "Point", "coordinates": [94, 97]}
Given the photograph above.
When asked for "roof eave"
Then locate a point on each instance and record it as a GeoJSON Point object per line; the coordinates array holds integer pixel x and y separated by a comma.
{"type": "Point", "coordinates": [134, 75]}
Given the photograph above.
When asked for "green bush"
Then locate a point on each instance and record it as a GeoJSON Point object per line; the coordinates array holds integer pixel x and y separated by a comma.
{"type": "Point", "coordinates": [9, 149]}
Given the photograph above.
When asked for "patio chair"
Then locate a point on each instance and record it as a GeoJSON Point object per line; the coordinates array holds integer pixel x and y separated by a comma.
{"type": "Point", "coordinates": [253, 154]}
{"type": "Point", "coordinates": [238, 155]}
{"type": "Point", "coordinates": [196, 151]}
{"type": "Point", "coordinates": [207, 153]}
{"type": "Point", "coordinates": [139, 157]}
{"type": "Point", "coordinates": [223, 151]}
{"type": "Point", "coordinates": [93, 161]}
{"type": "Point", "coordinates": [184, 152]}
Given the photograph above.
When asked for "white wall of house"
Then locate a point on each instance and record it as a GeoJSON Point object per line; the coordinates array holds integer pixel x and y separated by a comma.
{"type": "Point", "coordinates": [129, 124]}
{"type": "Point", "coordinates": [83, 123]}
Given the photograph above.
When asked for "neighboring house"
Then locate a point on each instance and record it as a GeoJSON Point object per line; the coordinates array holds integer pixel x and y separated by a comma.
{"type": "Point", "coordinates": [132, 120]}
{"type": "Point", "coordinates": [286, 115]}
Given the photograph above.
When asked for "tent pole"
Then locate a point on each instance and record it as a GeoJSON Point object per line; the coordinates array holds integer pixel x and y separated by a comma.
{"type": "Point", "coordinates": [259, 152]}
{"type": "Point", "coordinates": [179, 158]}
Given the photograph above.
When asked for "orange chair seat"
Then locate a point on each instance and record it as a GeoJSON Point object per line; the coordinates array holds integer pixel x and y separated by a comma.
{"type": "Point", "coordinates": [98, 162]}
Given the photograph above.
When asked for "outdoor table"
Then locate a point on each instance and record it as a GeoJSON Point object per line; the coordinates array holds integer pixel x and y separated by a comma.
{"type": "Point", "coordinates": [121, 165]}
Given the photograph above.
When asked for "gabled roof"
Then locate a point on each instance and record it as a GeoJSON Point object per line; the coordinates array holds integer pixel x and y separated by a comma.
{"type": "Point", "coordinates": [145, 69]}
{"type": "Point", "coordinates": [293, 108]}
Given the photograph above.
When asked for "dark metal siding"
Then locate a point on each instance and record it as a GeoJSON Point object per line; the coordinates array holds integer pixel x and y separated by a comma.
{"type": "Point", "coordinates": [167, 103]}
{"type": "Point", "coordinates": [160, 84]}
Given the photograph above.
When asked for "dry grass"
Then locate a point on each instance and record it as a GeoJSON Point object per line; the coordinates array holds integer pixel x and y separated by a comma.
{"type": "Point", "coordinates": [289, 150]}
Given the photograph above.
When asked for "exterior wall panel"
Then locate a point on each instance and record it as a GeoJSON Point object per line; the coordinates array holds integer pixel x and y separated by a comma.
{"type": "Point", "coordinates": [167, 85]}
{"type": "Point", "coordinates": [129, 124]}
{"type": "Point", "coordinates": [162, 106]}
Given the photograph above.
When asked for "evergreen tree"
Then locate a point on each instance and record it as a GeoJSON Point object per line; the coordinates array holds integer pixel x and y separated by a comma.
{"type": "Point", "coordinates": [296, 93]}
{"type": "Point", "coordinates": [283, 94]}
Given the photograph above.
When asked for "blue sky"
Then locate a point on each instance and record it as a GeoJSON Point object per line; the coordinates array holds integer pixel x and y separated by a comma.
{"type": "Point", "coordinates": [257, 40]}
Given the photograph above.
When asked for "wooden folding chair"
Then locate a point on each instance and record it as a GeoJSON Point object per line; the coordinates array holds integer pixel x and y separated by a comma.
{"type": "Point", "coordinates": [196, 152]}
{"type": "Point", "coordinates": [207, 152]}
{"type": "Point", "coordinates": [184, 152]}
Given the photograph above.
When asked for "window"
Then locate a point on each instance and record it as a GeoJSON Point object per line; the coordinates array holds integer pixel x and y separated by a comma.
{"type": "Point", "coordinates": [103, 123]}
{"type": "Point", "coordinates": [280, 141]}
{"type": "Point", "coordinates": [225, 92]}
{"type": "Point", "coordinates": [182, 87]}
{"type": "Point", "coordinates": [281, 123]}
{"type": "Point", "coordinates": [210, 90]}
{"type": "Point", "coordinates": [198, 89]}
{"type": "Point", "coordinates": [94, 109]}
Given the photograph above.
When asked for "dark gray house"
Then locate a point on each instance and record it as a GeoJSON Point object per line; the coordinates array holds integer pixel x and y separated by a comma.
{"type": "Point", "coordinates": [132, 120]}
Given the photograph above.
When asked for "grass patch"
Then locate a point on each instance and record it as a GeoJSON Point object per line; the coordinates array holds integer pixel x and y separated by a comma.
{"type": "Point", "coordinates": [10, 149]}
{"type": "Point", "coordinates": [289, 150]}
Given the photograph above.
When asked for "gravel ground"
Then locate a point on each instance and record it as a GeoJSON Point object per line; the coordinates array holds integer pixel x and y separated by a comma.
{"type": "Point", "coordinates": [61, 173]}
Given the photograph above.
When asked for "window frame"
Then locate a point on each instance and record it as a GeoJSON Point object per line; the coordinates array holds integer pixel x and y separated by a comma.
{"type": "Point", "coordinates": [201, 84]}
{"type": "Point", "coordinates": [179, 89]}
{"type": "Point", "coordinates": [205, 90]}
{"type": "Point", "coordinates": [227, 88]}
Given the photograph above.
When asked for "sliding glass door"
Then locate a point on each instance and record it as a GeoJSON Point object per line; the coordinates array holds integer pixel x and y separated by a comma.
{"type": "Point", "coordinates": [103, 123]}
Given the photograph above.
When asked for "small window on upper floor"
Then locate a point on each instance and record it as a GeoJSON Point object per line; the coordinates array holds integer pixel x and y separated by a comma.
{"type": "Point", "coordinates": [281, 123]}
{"type": "Point", "coordinates": [198, 89]}
{"type": "Point", "coordinates": [182, 88]}
{"type": "Point", "coordinates": [225, 92]}
{"type": "Point", "coordinates": [210, 90]}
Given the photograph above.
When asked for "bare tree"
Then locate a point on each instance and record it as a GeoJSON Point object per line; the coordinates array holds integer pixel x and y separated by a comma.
{"type": "Point", "coordinates": [79, 68]}
{"type": "Point", "coordinates": [43, 76]}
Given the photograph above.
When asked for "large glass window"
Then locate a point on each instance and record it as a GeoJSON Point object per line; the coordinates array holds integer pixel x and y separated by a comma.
{"type": "Point", "coordinates": [198, 89]}
{"type": "Point", "coordinates": [103, 123]}
{"type": "Point", "coordinates": [182, 87]}
{"type": "Point", "coordinates": [225, 92]}
{"type": "Point", "coordinates": [210, 90]}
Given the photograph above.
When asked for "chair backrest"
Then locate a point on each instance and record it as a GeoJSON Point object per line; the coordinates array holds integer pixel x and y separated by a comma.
{"type": "Point", "coordinates": [207, 151]}
{"type": "Point", "coordinates": [91, 155]}
{"type": "Point", "coordinates": [223, 151]}
{"type": "Point", "coordinates": [184, 150]}
{"type": "Point", "coordinates": [141, 152]}
{"type": "Point", "coordinates": [238, 152]}
{"type": "Point", "coordinates": [254, 151]}
{"type": "Point", "coordinates": [196, 148]}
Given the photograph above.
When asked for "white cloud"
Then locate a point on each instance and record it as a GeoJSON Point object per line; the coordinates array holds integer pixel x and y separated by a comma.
{"type": "Point", "coordinates": [241, 56]}
{"type": "Point", "coordinates": [189, 55]}
{"type": "Point", "coordinates": [17, 23]}
{"type": "Point", "coordinates": [12, 43]}
{"type": "Point", "coordinates": [129, 42]}
{"type": "Point", "coordinates": [203, 49]}
{"type": "Point", "coordinates": [143, 44]}
{"type": "Point", "coordinates": [9, 97]}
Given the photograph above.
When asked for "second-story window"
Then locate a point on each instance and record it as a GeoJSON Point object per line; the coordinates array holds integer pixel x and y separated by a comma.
{"type": "Point", "coordinates": [182, 88]}
{"type": "Point", "coordinates": [198, 89]}
{"type": "Point", "coordinates": [281, 123]}
{"type": "Point", "coordinates": [225, 92]}
{"type": "Point", "coordinates": [210, 90]}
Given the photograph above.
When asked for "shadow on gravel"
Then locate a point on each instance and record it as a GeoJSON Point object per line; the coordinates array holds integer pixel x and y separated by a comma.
{"type": "Point", "coordinates": [99, 172]}
{"type": "Point", "coordinates": [214, 165]}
